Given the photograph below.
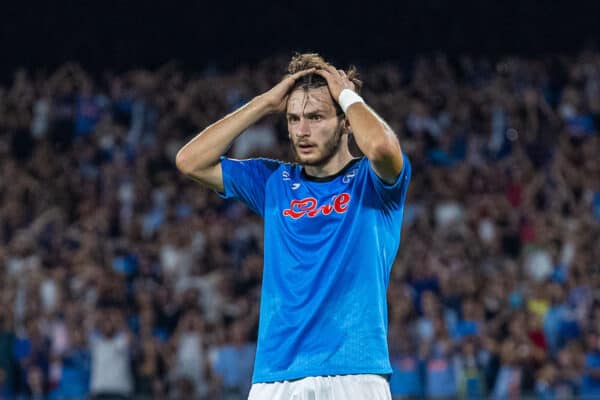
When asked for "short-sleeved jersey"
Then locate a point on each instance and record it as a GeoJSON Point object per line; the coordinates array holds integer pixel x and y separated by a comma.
{"type": "Point", "coordinates": [329, 246]}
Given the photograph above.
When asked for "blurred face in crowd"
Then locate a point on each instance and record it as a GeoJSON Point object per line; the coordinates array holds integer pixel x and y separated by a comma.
{"type": "Point", "coordinates": [109, 323]}
{"type": "Point", "coordinates": [238, 332]}
{"type": "Point", "coordinates": [469, 348]}
{"type": "Point", "coordinates": [593, 343]}
{"type": "Point", "coordinates": [508, 352]}
{"type": "Point", "coordinates": [429, 304]}
{"type": "Point", "coordinates": [565, 358]}
{"type": "Point", "coordinates": [77, 336]}
{"type": "Point", "coordinates": [315, 131]}
{"type": "Point", "coordinates": [192, 321]}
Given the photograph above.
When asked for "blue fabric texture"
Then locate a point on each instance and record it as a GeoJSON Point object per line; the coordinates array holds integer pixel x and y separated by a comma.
{"type": "Point", "coordinates": [329, 249]}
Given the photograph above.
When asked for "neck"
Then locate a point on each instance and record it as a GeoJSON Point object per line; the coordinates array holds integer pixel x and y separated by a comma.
{"type": "Point", "coordinates": [332, 166]}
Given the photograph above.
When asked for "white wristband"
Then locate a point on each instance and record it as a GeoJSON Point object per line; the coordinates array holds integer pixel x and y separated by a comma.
{"type": "Point", "coordinates": [347, 98]}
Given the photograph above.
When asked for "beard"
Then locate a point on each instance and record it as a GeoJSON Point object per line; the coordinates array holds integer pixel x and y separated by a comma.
{"type": "Point", "coordinates": [327, 150]}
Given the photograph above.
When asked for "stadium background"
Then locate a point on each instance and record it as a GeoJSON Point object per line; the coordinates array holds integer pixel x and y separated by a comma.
{"type": "Point", "coordinates": [106, 249]}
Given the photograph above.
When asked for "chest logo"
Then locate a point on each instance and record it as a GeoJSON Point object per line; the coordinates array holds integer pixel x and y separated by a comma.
{"type": "Point", "coordinates": [349, 176]}
{"type": "Point", "coordinates": [309, 207]}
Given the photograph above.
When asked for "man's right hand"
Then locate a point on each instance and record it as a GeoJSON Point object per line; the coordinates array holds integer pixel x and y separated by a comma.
{"type": "Point", "coordinates": [276, 98]}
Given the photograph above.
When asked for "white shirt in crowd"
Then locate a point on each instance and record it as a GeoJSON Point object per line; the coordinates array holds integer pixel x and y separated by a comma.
{"type": "Point", "coordinates": [190, 361]}
{"type": "Point", "coordinates": [111, 371]}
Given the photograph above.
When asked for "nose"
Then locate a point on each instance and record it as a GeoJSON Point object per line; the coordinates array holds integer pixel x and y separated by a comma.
{"type": "Point", "coordinates": [303, 128]}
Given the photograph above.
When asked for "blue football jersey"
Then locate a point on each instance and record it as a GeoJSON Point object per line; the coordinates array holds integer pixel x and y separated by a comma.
{"type": "Point", "coordinates": [329, 245]}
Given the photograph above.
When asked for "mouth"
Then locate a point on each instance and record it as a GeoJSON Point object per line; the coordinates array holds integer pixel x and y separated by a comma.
{"type": "Point", "coordinates": [305, 148]}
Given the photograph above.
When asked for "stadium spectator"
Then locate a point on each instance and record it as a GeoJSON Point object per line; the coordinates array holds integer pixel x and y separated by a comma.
{"type": "Point", "coordinates": [232, 363]}
{"type": "Point", "coordinates": [111, 347]}
{"type": "Point", "coordinates": [190, 361]}
{"type": "Point", "coordinates": [8, 363]}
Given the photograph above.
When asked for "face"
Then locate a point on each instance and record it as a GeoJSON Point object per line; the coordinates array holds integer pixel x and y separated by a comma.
{"type": "Point", "coordinates": [314, 128]}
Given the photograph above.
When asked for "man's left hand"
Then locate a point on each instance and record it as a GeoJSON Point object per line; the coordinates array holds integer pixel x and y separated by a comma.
{"type": "Point", "coordinates": [336, 80]}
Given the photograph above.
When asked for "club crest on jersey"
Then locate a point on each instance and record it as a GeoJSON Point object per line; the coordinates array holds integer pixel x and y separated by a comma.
{"type": "Point", "coordinates": [309, 207]}
{"type": "Point", "coordinates": [349, 176]}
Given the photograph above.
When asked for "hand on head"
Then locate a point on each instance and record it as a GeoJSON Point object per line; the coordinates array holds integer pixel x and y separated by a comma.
{"type": "Point", "coordinates": [276, 97]}
{"type": "Point", "coordinates": [337, 80]}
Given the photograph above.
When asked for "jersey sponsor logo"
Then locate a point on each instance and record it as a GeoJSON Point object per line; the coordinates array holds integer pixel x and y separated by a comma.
{"type": "Point", "coordinates": [309, 207]}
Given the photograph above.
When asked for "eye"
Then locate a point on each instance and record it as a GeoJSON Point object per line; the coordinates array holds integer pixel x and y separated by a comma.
{"type": "Point", "coordinates": [291, 119]}
{"type": "Point", "coordinates": [315, 117]}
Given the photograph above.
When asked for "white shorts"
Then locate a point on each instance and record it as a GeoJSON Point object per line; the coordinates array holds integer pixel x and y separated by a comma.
{"type": "Point", "coordinates": [339, 387]}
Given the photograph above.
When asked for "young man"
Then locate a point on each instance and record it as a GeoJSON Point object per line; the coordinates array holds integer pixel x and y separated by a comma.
{"type": "Point", "coordinates": [332, 230]}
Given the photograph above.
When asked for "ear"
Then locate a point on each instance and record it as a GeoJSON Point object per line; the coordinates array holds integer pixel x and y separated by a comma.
{"type": "Point", "coordinates": [346, 125]}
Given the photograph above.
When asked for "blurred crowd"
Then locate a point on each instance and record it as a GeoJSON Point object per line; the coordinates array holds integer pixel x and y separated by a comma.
{"type": "Point", "coordinates": [120, 278]}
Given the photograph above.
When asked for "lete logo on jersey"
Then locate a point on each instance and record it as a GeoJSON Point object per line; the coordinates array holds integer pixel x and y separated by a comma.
{"type": "Point", "coordinates": [310, 207]}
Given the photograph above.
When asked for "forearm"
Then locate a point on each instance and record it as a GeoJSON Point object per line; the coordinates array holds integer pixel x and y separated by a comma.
{"type": "Point", "coordinates": [204, 150]}
{"type": "Point", "coordinates": [376, 140]}
{"type": "Point", "coordinates": [372, 134]}
{"type": "Point", "coordinates": [199, 159]}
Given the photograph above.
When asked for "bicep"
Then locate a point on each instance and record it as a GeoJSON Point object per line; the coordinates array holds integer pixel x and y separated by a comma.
{"type": "Point", "coordinates": [211, 177]}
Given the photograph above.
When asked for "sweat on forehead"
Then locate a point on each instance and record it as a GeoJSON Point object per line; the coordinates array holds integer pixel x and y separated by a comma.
{"type": "Point", "coordinates": [311, 98]}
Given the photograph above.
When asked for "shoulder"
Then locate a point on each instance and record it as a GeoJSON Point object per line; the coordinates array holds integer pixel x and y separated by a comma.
{"type": "Point", "coordinates": [263, 161]}
{"type": "Point", "coordinates": [270, 163]}
{"type": "Point", "coordinates": [284, 170]}
{"type": "Point", "coordinates": [250, 167]}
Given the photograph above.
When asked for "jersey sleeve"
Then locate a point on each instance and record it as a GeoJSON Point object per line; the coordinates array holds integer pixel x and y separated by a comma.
{"type": "Point", "coordinates": [246, 180]}
{"type": "Point", "coordinates": [392, 195]}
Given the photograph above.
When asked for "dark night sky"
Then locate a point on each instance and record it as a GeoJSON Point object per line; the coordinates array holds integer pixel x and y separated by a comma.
{"type": "Point", "coordinates": [122, 34]}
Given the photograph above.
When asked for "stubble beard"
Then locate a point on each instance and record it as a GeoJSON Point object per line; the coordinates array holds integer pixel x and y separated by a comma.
{"type": "Point", "coordinates": [330, 149]}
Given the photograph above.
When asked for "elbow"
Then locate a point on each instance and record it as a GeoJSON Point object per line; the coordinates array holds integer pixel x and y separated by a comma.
{"type": "Point", "coordinates": [382, 151]}
{"type": "Point", "coordinates": [182, 162]}
{"type": "Point", "coordinates": [192, 164]}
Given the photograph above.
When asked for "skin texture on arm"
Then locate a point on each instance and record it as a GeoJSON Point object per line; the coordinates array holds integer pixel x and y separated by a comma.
{"type": "Point", "coordinates": [199, 158]}
{"type": "Point", "coordinates": [373, 135]}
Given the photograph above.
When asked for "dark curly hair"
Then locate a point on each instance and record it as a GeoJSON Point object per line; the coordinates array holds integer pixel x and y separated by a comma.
{"type": "Point", "coordinates": [301, 62]}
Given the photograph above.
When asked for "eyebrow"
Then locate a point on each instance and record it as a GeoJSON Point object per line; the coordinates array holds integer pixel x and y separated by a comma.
{"type": "Point", "coordinates": [307, 114]}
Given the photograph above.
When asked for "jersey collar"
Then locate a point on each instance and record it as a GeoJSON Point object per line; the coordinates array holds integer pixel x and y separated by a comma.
{"type": "Point", "coordinates": [329, 177]}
